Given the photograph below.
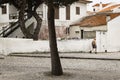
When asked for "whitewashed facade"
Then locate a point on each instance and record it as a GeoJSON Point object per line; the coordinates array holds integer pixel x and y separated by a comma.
{"type": "Point", "coordinates": [113, 34]}
{"type": "Point", "coordinates": [75, 31]}
{"type": "Point", "coordinates": [108, 41]}
{"type": "Point", "coordinates": [61, 23]}
{"type": "Point", "coordinates": [8, 45]}
{"type": "Point", "coordinates": [62, 13]}
{"type": "Point", "coordinates": [5, 18]}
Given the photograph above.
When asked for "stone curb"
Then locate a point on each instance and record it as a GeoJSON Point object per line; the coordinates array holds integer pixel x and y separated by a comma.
{"type": "Point", "coordinates": [66, 57]}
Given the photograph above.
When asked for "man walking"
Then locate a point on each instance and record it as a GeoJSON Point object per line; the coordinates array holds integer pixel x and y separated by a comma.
{"type": "Point", "coordinates": [94, 46]}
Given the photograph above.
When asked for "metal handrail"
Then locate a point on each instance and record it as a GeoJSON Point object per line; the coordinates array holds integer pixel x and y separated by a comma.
{"type": "Point", "coordinates": [16, 14]}
{"type": "Point", "coordinates": [10, 26]}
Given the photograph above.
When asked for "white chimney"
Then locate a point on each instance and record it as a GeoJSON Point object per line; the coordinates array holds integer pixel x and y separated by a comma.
{"type": "Point", "coordinates": [100, 6]}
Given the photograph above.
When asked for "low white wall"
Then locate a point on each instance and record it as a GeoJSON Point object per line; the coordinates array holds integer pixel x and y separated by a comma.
{"type": "Point", "coordinates": [11, 45]}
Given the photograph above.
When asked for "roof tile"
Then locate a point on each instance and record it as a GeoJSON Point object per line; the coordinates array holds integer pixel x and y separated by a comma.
{"type": "Point", "coordinates": [95, 20]}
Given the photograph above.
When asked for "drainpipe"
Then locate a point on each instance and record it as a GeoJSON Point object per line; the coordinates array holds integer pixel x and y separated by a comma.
{"type": "Point", "coordinates": [108, 18]}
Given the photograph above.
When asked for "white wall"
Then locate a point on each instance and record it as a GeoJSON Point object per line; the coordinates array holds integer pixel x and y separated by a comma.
{"type": "Point", "coordinates": [62, 14]}
{"type": "Point", "coordinates": [59, 22]}
{"type": "Point", "coordinates": [101, 39]}
{"type": "Point", "coordinates": [116, 9]}
{"type": "Point", "coordinates": [12, 9]}
{"type": "Point", "coordinates": [73, 33]}
{"type": "Point", "coordinates": [113, 34]}
{"type": "Point", "coordinates": [95, 28]}
{"type": "Point", "coordinates": [4, 18]}
{"type": "Point", "coordinates": [83, 11]}
{"type": "Point", "coordinates": [11, 45]}
{"type": "Point", "coordinates": [77, 28]}
{"type": "Point", "coordinates": [96, 8]}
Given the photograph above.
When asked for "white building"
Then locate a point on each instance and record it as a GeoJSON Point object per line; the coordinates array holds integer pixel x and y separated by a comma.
{"type": "Point", "coordinates": [86, 28]}
{"type": "Point", "coordinates": [99, 6]}
{"type": "Point", "coordinates": [6, 13]}
{"type": "Point", "coordinates": [113, 34]}
{"type": "Point", "coordinates": [63, 18]}
{"type": "Point", "coordinates": [108, 7]}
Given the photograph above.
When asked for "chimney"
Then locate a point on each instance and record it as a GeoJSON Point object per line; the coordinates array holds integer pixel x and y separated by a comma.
{"type": "Point", "coordinates": [100, 6]}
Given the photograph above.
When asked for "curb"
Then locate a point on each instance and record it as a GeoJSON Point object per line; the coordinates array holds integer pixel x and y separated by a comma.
{"type": "Point", "coordinates": [65, 57]}
{"type": "Point", "coordinates": [1, 57]}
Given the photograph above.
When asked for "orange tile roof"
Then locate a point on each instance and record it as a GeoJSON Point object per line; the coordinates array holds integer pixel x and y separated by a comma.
{"type": "Point", "coordinates": [103, 5]}
{"type": "Point", "coordinates": [95, 20]}
{"type": "Point", "coordinates": [108, 9]}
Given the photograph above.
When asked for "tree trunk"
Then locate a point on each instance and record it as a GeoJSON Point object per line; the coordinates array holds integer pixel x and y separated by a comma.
{"type": "Point", "coordinates": [22, 21]}
{"type": "Point", "coordinates": [55, 60]}
{"type": "Point", "coordinates": [38, 26]}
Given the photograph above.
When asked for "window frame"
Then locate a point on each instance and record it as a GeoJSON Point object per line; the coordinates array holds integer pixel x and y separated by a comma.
{"type": "Point", "coordinates": [4, 9]}
{"type": "Point", "coordinates": [57, 12]}
{"type": "Point", "coordinates": [77, 10]}
{"type": "Point", "coordinates": [67, 12]}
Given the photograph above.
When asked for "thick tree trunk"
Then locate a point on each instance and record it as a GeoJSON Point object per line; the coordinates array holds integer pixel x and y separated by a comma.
{"type": "Point", "coordinates": [22, 21]}
{"type": "Point", "coordinates": [38, 26]}
{"type": "Point", "coordinates": [55, 60]}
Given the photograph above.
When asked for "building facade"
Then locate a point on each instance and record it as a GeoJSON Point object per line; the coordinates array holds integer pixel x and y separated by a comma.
{"type": "Point", "coordinates": [64, 16]}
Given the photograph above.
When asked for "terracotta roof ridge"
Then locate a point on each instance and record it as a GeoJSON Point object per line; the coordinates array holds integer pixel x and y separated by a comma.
{"type": "Point", "coordinates": [103, 4]}
{"type": "Point", "coordinates": [109, 7]}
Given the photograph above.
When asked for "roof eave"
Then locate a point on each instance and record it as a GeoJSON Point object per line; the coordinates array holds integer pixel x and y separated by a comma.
{"type": "Point", "coordinates": [84, 1]}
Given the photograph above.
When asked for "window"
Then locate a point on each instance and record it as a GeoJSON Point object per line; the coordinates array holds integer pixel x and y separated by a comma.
{"type": "Point", "coordinates": [67, 12]}
{"type": "Point", "coordinates": [4, 10]}
{"type": "Point", "coordinates": [94, 9]}
{"type": "Point", "coordinates": [67, 30]}
{"type": "Point", "coordinates": [76, 32]}
{"type": "Point", "coordinates": [82, 34]}
{"type": "Point", "coordinates": [89, 34]}
{"type": "Point", "coordinates": [56, 13]}
{"type": "Point", "coordinates": [77, 10]}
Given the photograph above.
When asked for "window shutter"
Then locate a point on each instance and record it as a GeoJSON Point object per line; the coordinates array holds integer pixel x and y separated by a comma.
{"type": "Point", "coordinates": [77, 10]}
{"type": "Point", "coordinates": [68, 13]}
{"type": "Point", "coordinates": [57, 13]}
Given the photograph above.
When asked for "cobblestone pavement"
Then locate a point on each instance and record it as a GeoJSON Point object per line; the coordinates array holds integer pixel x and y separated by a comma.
{"type": "Point", "coordinates": [32, 68]}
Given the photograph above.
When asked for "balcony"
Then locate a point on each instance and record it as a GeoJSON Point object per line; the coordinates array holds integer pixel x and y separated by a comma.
{"type": "Point", "coordinates": [15, 16]}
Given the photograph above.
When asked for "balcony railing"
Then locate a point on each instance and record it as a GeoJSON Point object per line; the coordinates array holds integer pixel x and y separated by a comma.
{"type": "Point", "coordinates": [16, 15]}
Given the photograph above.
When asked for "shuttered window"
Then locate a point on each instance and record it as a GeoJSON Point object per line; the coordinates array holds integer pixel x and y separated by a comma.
{"type": "Point", "coordinates": [67, 30]}
{"type": "Point", "coordinates": [4, 10]}
{"type": "Point", "coordinates": [77, 10]}
{"type": "Point", "coordinates": [56, 13]}
{"type": "Point", "coordinates": [68, 13]}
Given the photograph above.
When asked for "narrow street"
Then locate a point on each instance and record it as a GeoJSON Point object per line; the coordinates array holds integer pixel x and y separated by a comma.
{"type": "Point", "coordinates": [38, 68]}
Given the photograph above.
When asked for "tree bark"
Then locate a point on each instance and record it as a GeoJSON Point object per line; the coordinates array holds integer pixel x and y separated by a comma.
{"type": "Point", "coordinates": [38, 26]}
{"type": "Point", "coordinates": [22, 20]}
{"type": "Point", "coordinates": [55, 60]}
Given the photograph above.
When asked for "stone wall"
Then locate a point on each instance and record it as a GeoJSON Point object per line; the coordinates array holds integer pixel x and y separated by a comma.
{"type": "Point", "coordinates": [60, 32]}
